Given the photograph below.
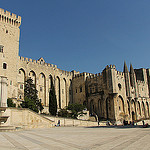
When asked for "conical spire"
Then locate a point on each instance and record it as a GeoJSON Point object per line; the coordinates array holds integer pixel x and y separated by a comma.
{"type": "Point", "coordinates": [132, 77]}
{"type": "Point", "coordinates": [125, 70]}
{"type": "Point", "coordinates": [131, 69]}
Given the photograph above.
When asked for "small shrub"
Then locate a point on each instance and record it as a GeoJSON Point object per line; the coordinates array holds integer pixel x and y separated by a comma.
{"type": "Point", "coordinates": [63, 113]}
{"type": "Point", "coordinates": [10, 103]}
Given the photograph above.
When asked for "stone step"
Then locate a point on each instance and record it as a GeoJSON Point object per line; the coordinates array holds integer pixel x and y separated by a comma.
{"type": "Point", "coordinates": [2, 109]}
{"type": "Point", "coordinates": [10, 128]}
{"type": "Point", "coordinates": [3, 119]}
{"type": "Point", "coordinates": [7, 128]}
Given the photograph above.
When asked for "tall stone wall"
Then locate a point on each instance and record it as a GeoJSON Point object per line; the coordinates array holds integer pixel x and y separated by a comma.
{"type": "Point", "coordinates": [43, 74]}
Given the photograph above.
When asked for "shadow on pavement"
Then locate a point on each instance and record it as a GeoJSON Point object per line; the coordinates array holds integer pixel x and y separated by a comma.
{"type": "Point", "coordinates": [119, 126]}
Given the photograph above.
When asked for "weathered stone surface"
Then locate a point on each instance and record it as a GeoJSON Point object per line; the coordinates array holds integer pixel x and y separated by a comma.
{"type": "Point", "coordinates": [109, 95]}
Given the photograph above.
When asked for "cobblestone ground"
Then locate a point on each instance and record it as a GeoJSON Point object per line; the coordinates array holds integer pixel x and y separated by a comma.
{"type": "Point", "coordinates": [76, 138]}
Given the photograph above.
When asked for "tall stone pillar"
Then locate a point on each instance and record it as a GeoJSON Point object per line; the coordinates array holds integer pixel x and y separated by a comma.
{"type": "Point", "coordinates": [3, 91]}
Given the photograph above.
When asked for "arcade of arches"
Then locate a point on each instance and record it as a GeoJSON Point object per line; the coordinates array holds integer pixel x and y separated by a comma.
{"type": "Point", "coordinates": [127, 110]}
{"type": "Point", "coordinates": [43, 84]}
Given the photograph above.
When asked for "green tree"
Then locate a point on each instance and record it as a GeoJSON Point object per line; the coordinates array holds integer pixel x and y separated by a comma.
{"type": "Point", "coordinates": [31, 99]}
{"type": "Point", "coordinates": [63, 113]}
{"type": "Point", "coordinates": [10, 103]}
{"type": "Point", "coordinates": [76, 109]}
{"type": "Point", "coordinates": [52, 101]}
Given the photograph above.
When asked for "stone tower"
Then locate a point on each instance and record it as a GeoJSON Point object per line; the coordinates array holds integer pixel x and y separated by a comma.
{"type": "Point", "coordinates": [9, 48]}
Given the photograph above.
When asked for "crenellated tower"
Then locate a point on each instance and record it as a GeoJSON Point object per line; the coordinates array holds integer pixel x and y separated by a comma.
{"type": "Point", "coordinates": [9, 49]}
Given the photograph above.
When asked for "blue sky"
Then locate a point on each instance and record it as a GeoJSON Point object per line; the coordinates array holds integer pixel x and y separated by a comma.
{"type": "Point", "coordinates": [84, 35]}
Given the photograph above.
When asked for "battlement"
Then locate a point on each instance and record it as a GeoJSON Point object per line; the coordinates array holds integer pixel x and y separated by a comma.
{"type": "Point", "coordinates": [29, 60]}
{"type": "Point", "coordinates": [93, 76]}
{"type": "Point", "coordinates": [110, 67]}
{"type": "Point", "coordinates": [62, 72]}
{"type": "Point", "coordinates": [36, 62]}
{"type": "Point", "coordinates": [84, 74]}
{"type": "Point", "coordinates": [120, 73]}
{"type": "Point", "coordinates": [10, 18]}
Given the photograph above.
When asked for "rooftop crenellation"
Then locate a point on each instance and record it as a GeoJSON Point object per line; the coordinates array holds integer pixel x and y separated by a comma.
{"type": "Point", "coordinates": [10, 18]}
{"type": "Point", "coordinates": [25, 59]}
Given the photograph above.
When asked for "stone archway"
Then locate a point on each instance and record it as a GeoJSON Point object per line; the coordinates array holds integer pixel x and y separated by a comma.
{"type": "Point", "coordinates": [133, 109]}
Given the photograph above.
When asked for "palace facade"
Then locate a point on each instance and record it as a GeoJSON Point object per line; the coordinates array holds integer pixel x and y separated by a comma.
{"type": "Point", "coordinates": [109, 95]}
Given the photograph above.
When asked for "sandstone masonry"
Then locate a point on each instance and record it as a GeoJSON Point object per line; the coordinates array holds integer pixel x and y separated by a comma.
{"type": "Point", "coordinates": [110, 95]}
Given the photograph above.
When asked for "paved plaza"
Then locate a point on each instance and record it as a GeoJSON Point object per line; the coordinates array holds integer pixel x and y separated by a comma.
{"type": "Point", "coordinates": [76, 138]}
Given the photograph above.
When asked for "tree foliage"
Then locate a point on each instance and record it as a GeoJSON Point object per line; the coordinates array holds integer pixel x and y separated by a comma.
{"type": "Point", "coordinates": [52, 101]}
{"type": "Point", "coordinates": [63, 113]}
{"type": "Point", "coordinates": [10, 103]}
{"type": "Point", "coordinates": [31, 99]}
{"type": "Point", "coordinates": [76, 109]}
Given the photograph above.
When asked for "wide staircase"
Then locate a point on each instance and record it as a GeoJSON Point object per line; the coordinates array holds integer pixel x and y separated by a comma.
{"type": "Point", "coordinates": [3, 120]}
{"type": "Point", "coordinates": [12, 119]}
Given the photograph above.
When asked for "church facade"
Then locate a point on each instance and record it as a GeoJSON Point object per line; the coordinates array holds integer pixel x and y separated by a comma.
{"type": "Point", "coordinates": [109, 95]}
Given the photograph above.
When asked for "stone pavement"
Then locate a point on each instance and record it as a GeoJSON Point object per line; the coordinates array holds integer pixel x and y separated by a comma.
{"type": "Point", "coordinates": [77, 138]}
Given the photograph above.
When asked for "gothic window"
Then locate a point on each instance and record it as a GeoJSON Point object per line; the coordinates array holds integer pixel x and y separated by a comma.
{"type": "Point", "coordinates": [76, 90]}
{"type": "Point", "coordinates": [10, 82]}
{"type": "Point", "coordinates": [62, 91]}
{"type": "Point", "coordinates": [4, 66]}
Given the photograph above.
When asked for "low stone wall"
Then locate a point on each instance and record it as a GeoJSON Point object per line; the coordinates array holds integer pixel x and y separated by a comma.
{"type": "Point", "coordinates": [72, 122]}
{"type": "Point", "coordinates": [145, 121]}
{"type": "Point", "coordinates": [25, 119]}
